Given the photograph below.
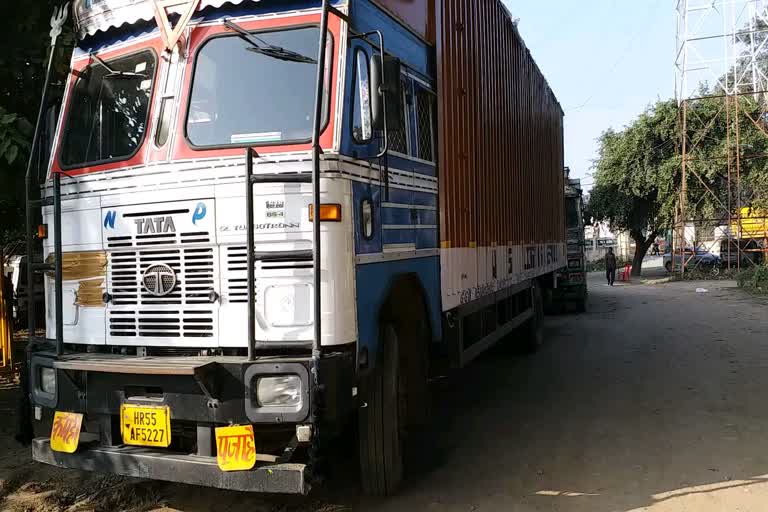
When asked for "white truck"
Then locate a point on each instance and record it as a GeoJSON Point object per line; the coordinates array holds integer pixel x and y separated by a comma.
{"type": "Point", "coordinates": [268, 217]}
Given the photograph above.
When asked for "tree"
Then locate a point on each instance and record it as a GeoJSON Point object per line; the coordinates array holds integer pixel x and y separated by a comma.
{"type": "Point", "coordinates": [24, 49]}
{"type": "Point", "coordinates": [636, 176]}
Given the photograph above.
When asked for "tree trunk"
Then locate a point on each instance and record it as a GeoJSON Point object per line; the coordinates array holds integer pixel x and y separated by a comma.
{"type": "Point", "coordinates": [642, 244]}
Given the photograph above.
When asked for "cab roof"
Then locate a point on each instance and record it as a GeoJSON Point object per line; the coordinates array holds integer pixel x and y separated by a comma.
{"type": "Point", "coordinates": [92, 16]}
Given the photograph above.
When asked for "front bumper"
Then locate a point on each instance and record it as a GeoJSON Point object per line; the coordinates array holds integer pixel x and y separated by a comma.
{"type": "Point", "coordinates": [202, 393]}
{"type": "Point", "coordinates": [176, 467]}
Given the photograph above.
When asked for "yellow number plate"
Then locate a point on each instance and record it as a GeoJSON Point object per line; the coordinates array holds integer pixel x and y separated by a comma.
{"type": "Point", "coordinates": [235, 448]}
{"type": "Point", "coordinates": [145, 425]}
{"type": "Point", "coordinates": [65, 434]}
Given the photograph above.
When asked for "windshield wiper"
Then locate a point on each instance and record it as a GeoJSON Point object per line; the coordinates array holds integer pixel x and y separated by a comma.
{"type": "Point", "coordinates": [114, 73]}
{"type": "Point", "coordinates": [262, 47]}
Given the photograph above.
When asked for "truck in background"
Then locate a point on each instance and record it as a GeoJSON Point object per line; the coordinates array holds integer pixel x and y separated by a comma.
{"type": "Point", "coordinates": [269, 218]}
{"type": "Point", "coordinates": [572, 280]}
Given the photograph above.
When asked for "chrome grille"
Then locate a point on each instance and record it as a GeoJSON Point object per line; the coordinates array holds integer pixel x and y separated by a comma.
{"type": "Point", "coordinates": [194, 268]}
{"type": "Point", "coordinates": [188, 311]}
{"type": "Point", "coordinates": [159, 239]}
{"type": "Point", "coordinates": [237, 267]}
{"type": "Point", "coordinates": [161, 324]}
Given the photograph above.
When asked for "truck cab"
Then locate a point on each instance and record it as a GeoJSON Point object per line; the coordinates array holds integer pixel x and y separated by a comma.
{"type": "Point", "coordinates": [248, 249]}
{"type": "Point", "coordinates": [572, 281]}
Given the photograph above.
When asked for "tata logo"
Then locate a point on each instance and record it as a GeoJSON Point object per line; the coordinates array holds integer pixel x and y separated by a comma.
{"type": "Point", "coordinates": [159, 280]}
{"type": "Point", "coordinates": [149, 225]}
{"type": "Point", "coordinates": [109, 219]}
{"type": "Point", "coordinates": [199, 213]}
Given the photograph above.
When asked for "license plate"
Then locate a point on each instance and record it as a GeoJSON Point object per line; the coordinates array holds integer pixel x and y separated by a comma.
{"type": "Point", "coordinates": [65, 434]}
{"type": "Point", "coordinates": [146, 425]}
{"type": "Point", "coordinates": [235, 448]}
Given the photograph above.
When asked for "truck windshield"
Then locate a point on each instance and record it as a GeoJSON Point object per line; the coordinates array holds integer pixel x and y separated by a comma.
{"type": "Point", "coordinates": [107, 115]}
{"type": "Point", "coordinates": [244, 96]}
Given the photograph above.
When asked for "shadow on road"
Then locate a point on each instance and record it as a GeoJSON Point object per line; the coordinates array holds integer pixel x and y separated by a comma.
{"type": "Point", "coordinates": [651, 399]}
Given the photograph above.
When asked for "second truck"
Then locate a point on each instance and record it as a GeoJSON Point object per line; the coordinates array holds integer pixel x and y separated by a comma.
{"type": "Point", "coordinates": [571, 291]}
{"type": "Point", "coordinates": [270, 218]}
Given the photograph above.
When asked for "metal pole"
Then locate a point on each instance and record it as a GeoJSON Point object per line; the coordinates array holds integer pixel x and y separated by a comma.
{"type": "Point", "coordinates": [6, 319]}
{"type": "Point", "coordinates": [738, 183]}
{"type": "Point", "coordinates": [728, 128]}
{"type": "Point", "coordinates": [684, 190]}
{"type": "Point", "coordinates": [58, 264]}
{"type": "Point", "coordinates": [316, 150]}
{"type": "Point", "coordinates": [30, 181]}
{"type": "Point", "coordinates": [251, 260]}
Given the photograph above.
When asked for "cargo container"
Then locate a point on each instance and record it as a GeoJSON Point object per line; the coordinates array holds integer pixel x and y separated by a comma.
{"type": "Point", "coordinates": [271, 217]}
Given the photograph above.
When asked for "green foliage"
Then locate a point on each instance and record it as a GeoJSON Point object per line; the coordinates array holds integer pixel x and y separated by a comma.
{"type": "Point", "coordinates": [24, 50]}
{"type": "Point", "coordinates": [754, 279]}
{"type": "Point", "coordinates": [712, 127]}
{"type": "Point", "coordinates": [15, 136]}
{"type": "Point", "coordinates": [636, 175]}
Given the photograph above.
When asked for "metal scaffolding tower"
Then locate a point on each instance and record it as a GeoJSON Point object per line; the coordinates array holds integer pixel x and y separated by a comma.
{"type": "Point", "coordinates": [722, 91]}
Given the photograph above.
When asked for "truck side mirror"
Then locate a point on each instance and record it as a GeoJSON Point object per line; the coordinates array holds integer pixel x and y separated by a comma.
{"type": "Point", "coordinates": [377, 102]}
{"type": "Point", "coordinates": [385, 92]}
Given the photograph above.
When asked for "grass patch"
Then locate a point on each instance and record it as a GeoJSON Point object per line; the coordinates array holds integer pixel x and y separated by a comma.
{"type": "Point", "coordinates": [705, 273]}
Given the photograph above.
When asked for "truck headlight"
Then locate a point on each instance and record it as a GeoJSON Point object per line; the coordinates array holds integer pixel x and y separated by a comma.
{"type": "Point", "coordinates": [279, 391]}
{"type": "Point", "coordinates": [48, 380]}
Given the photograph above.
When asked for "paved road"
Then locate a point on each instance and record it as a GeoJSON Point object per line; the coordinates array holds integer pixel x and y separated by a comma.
{"type": "Point", "coordinates": [654, 400]}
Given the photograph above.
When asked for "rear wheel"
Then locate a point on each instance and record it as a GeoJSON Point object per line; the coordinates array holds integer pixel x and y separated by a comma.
{"type": "Point", "coordinates": [381, 444]}
{"type": "Point", "coordinates": [668, 266]}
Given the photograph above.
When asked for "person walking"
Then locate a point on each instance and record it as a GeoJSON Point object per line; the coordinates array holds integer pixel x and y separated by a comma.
{"type": "Point", "coordinates": [610, 266]}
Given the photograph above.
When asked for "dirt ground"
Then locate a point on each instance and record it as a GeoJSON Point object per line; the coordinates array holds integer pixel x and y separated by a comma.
{"type": "Point", "coordinates": [654, 400]}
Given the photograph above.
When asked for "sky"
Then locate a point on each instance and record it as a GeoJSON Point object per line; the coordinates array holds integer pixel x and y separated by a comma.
{"type": "Point", "coordinates": [606, 61]}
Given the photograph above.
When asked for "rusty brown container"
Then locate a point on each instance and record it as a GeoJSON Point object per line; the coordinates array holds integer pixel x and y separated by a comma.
{"type": "Point", "coordinates": [500, 133]}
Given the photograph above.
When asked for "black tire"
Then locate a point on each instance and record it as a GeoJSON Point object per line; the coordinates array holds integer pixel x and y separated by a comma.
{"type": "Point", "coordinates": [668, 266]}
{"type": "Point", "coordinates": [533, 330]}
{"type": "Point", "coordinates": [381, 443]}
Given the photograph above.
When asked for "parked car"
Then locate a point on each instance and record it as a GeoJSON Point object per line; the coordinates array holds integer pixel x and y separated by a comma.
{"type": "Point", "coordinates": [693, 259]}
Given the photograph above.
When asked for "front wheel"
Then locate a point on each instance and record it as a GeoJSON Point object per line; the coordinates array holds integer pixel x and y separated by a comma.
{"type": "Point", "coordinates": [381, 443]}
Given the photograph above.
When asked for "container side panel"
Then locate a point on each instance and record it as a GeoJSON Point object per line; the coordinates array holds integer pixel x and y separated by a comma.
{"type": "Point", "coordinates": [501, 155]}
